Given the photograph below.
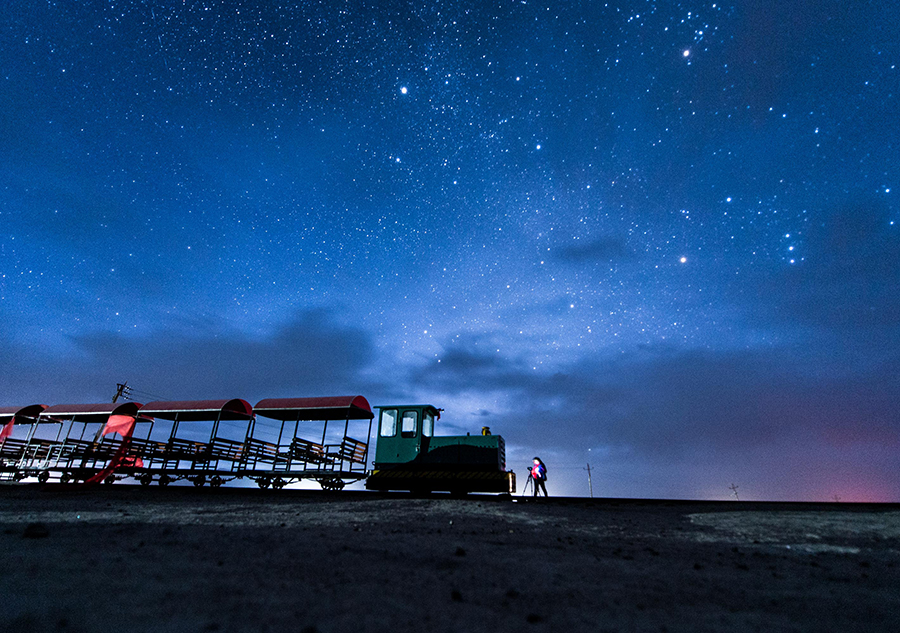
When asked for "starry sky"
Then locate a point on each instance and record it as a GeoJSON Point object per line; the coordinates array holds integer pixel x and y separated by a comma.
{"type": "Point", "coordinates": [660, 238]}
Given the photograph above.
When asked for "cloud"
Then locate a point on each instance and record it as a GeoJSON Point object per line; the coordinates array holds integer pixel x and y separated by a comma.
{"type": "Point", "coordinates": [311, 355]}
{"type": "Point", "coordinates": [679, 422]}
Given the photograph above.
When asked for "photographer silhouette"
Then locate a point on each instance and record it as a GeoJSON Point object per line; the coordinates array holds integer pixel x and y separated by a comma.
{"type": "Point", "coordinates": [538, 476]}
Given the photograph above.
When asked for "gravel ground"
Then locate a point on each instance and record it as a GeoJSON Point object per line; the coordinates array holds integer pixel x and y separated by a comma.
{"type": "Point", "coordinates": [185, 559]}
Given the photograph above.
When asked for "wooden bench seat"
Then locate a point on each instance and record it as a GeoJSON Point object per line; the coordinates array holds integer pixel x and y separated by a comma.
{"type": "Point", "coordinates": [146, 449]}
{"type": "Point", "coordinates": [77, 448]}
{"type": "Point", "coordinates": [12, 450]}
{"type": "Point", "coordinates": [306, 451]}
{"type": "Point", "coordinates": [40, 449]}
{"type": "Point", "coordinates": [262, 451]}
{"type": "Point", "coordinates": [71, 450]}
{"type": "Point", "coordinates": [186, 450]}
{"type": "Point", "coordinates": [105, 449]}
{"type": "Point", "coordinates": [227, 450]}
{"type": "Point", "coordinates": [350, 450]}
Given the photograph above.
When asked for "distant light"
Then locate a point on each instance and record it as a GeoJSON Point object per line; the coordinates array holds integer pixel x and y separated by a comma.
{"type": "Point", "coordinates": [403, 90]}
{"type": "Point", "coordinates": [683, 260]}
{"type": "Point", "coordinates": [687, 52]}
{"type": "Point", "coordinates": [728, 199]}
{"type": "Point", "coordinates": [538, 146]}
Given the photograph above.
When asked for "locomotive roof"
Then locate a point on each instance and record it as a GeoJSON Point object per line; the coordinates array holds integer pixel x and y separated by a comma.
{"type": "Point", "coordinates": [408, 406]}
{"type": "Point", "coordinates": [328, 408]}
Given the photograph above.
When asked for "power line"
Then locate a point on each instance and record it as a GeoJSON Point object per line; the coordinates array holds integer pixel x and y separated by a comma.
{"type": "Point", "coordinates": [152, 395]}
{"type": "Point", "coordinates": [122, 391]}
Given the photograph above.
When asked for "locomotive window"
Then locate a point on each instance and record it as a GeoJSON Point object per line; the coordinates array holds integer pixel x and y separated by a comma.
{"type": "Point", "coordinates": [389, 423]}
{"type": "Point", "coordinates": [428, 424]}
{"type": "Point", "coordinates": [408, 425]}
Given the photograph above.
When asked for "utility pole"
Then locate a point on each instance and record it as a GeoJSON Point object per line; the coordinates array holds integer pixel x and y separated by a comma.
{"type": "Point", "coordinates": [734, 490]}
{"type": "Point", "coordinates": [590, 483]}
{"type": "Point", "coordinates": [122, 391]}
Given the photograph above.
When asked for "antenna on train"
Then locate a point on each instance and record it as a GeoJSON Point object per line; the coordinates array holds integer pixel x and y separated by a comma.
{"type": "Point", "coordinates": [122, 391]}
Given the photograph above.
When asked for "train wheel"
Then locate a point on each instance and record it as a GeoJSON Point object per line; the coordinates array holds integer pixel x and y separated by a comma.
{"type": "Point", "coordinates": [19, 475]}
{"type": "Point", "coordinates": [65, 478]}
{"type": "Point", "coordinates": [199, 480]}
{"type": "Point", "coordinates": [278, 484]}
{"type": "Point", "coordinates": [332, 484]}
{"type": "Point", "coordinates": [216, 481]}
{"type": "Point", "coordinates": [164, 480]}
{"type": "Point", "coordinates": [110, 480]}
{"type": "Point", "coordinates": [43, 476]}
{"type": "Point", "coordinates": [263, 482]}
{"type": "Point", "coordinates": [146, 479]}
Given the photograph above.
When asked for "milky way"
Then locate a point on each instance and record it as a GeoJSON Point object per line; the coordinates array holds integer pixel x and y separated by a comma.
{"type": "Point", "coordinates": [657, 238]}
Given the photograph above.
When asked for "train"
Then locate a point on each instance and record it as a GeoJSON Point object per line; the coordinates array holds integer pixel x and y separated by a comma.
{"type": "Point", "coordinates": [276, 443]}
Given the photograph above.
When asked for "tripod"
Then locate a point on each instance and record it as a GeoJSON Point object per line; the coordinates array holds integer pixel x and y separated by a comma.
{"type": "Point", "coordinates": [528, 483]}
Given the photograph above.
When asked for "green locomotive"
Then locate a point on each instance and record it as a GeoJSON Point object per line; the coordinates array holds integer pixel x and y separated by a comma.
{"type": "Point", "coordinates": [409, 456]}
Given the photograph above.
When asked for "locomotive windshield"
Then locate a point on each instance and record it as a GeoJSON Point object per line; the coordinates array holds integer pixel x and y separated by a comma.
{"type": "Point", "coordinates": [428, 424]}
{"type": "Point", "coordinates": [388, 422]}
{"type": "Point", "coordinates": [409, 424]}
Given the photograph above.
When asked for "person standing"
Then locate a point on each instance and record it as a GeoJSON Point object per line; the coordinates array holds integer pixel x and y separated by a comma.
{"type": "Point", "coordinates": [539, 476]}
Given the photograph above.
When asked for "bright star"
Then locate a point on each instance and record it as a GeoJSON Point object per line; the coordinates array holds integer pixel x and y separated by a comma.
{"type": "Point", "coordinates": [687, 52]}
{"type": "Point", "coordinates": [683, 260]}
{"type": "Point", "coordinates": [403, 90]}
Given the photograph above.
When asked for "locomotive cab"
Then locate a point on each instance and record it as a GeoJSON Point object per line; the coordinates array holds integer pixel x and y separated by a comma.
{"type": "Point", "coordinates": [409, 456]}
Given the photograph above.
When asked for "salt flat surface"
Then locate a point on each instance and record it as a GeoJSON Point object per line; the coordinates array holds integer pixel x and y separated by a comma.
{"type": "Point", "coordinates": [184, 559]}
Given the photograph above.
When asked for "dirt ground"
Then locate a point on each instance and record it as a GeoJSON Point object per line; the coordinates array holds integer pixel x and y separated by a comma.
{"type": "Point", "coordinates": [119, 558]}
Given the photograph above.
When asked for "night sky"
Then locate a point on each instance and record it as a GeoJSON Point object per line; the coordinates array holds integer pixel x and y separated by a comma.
{"type": "Point", "coordinates": [659, 238]}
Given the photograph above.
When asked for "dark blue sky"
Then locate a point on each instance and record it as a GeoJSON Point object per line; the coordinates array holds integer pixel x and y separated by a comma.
{"type": "Point", "coordinates": [657, 237]}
